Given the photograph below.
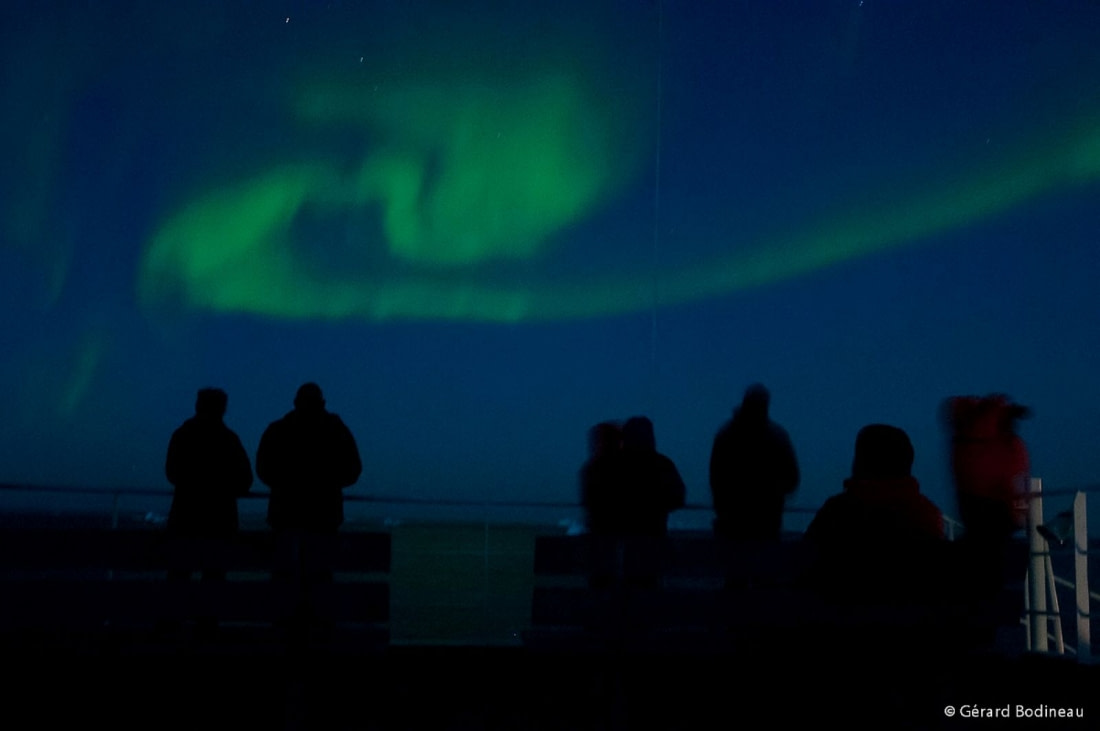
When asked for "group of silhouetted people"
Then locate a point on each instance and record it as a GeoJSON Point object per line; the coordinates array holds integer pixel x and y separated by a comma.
{"type": "Point", "coordinates": [306, 458]}
{"type": "Point", "coordinates": [872, 539]}
{"type": "Point", "coordinates": [879, 539]}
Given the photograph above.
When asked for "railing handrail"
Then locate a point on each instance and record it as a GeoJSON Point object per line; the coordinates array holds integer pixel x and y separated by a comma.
{"type": "Point", "coordinates": [264, 494]}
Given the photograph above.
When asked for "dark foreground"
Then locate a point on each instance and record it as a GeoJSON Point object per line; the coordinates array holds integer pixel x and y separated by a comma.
{"type": "Point", "coordinates": [513, 688]}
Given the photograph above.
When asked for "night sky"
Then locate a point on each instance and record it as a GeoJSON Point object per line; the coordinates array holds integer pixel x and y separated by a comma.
{"type": "Point", "coordinates": [482, 230]}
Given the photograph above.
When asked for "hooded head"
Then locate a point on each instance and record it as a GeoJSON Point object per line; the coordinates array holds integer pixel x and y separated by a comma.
{"type": "Point", "coordinates": [604, 438]}
{"type": "Point", "coordinates": [755, 403]}
{"type": "Point", "coordinates": [211, 403]}
{"type": "Point", "coordinates": [309, 398]}
{"type": "Point", "coordinates": [883, 452]}
{"type": "Point", "coordinates": [638, 434]}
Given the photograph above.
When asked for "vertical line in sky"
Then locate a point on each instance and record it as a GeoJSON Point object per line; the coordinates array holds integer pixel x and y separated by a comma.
{"type": "Point", "coordinates": [656, 222]}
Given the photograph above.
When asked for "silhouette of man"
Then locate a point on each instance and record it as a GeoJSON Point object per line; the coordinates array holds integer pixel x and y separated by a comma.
{"type": "Point", "coordinates": [210, 469]}
{"type": "Point", "coordinates": [753, 468]}
{"type": "Point", "coordinates": [307, 458]}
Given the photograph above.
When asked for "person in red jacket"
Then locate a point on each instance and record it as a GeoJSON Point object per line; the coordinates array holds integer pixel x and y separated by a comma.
{"type": "Point", "coordinates": [991, 470]}
{"type": "Point", "coordinates": [989, 464]}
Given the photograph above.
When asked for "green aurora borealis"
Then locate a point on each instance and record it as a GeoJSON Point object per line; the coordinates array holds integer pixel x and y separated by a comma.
{"type": "Point", "coordinates": [513, 172]}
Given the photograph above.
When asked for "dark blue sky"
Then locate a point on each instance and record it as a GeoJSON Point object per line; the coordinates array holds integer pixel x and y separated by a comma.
{"type": "Point", "coordinates": [869, 206]}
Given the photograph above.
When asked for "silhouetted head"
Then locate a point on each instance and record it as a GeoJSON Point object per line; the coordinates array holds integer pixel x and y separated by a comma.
{"type": "Point", "coordinates": [755, 402]}
{"type": "Point", "coordinates": [309, 398]}
{"type": "Point", "coordinates": [983, 417]}
{"type": "Point", "coordinates": [211, 403]}
{"type": "Point", "coordinates": [638, 434]}
{"type": "Point", "coordinates": [883, 452]}
{"type": "Point", "coordinates": [604, 438]}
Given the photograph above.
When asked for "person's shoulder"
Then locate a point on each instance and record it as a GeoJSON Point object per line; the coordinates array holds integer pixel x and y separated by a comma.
{"type": "Point", "coordinates": [825, 520]}
{"type": "Point", "coordinates": [778, 430]}
{"type": "Point", "coordinates": [837, 500]}
{"type": "Point", "coordinates": [188, 427]}
{"type": "Point", "coordinates": [928, 507]}
{"type": "Point", "coordinates": [334, 421]}
{"type": "Point", "coordinates": [836, 507]}
{"type": "Point", "coordinates": [278, 425]}
{"type": "Point", "coordinates": [664, 460]}
{"type": "Point", "coordinates": [724, 429]}
{"type": "Point", "coordinates": [229, 433]}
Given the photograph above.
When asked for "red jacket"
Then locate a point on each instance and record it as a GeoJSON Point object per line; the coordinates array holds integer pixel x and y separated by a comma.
{"type": "Point", "coordinates": [989, 461]}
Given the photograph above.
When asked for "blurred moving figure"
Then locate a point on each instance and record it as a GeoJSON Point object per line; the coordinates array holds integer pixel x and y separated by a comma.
{"type": "Point", "coordinates": [209, 469]}
{"type": "Point", "coordinates": [989, 464]}
{"type": "Point", "coordinates": [753, 468]}
{"type": "Point", "coordinates": [991, 470]}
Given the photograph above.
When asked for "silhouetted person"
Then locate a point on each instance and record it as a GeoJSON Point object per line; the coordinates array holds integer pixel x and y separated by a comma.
{"type": "Point", "coordinates": [991, 470]}
{"type": "Point", "coordinates": [877, 554]}
{"type": "Point", "coordinates": [642, 489]}
{"type": "Point", "coordinates": [209, 469]}
{"type": "Point", "coordinates": [307, 458]}
{"type": "Point", "coordinates": [597, 475]}
{"type": "Point", "coordinates": [630, 493]}
{"type": "Point", "coordinates": [753, 468]}
{"type": "Point", "coordinates": [874, 541]}
{"type": "Point", "coordinates": [990, 466]}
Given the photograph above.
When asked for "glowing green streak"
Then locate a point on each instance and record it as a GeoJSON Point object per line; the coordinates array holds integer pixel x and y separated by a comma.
{"type": "Point", "coordinates": [89, 357]}
{"type": "Point", "coordinates": [227, 252]}
{"type": "Point", "coordinates": [221, 251]}
{"type": "Point", "coordinates": [473, 172]}
{"type": "Point", "coordinates": [925, 214]}
{"type": "Point", "coordinates": [466, 175]}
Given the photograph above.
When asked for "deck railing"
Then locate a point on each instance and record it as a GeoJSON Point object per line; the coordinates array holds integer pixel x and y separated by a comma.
{"type": "Point", "coordinates": [1043, 614]}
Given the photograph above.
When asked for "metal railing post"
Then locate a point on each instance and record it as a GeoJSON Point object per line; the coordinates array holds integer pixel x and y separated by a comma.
{"type": "Point", "coordinates": [1037, 579]}
{"type": "Point", "coordinates": [1081, 576]}
{"type": "Point", "coordinates": [1056, 611]}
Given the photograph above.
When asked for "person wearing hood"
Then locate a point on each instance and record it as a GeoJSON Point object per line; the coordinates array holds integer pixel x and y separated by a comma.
{"type": "Point", "coordinates": [871, 540]}
{"type": "Point", "coordinates": [753, 468]}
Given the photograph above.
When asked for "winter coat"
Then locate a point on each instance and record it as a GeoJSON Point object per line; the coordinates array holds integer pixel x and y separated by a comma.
{"type": "Point", "coordinates": [307, 458]}
{"type": "Point", "coordinates": [209, 469]}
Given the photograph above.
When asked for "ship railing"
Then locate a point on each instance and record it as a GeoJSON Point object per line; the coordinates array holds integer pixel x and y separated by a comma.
{"type": "Point", "coordinates": [1043, 613]}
